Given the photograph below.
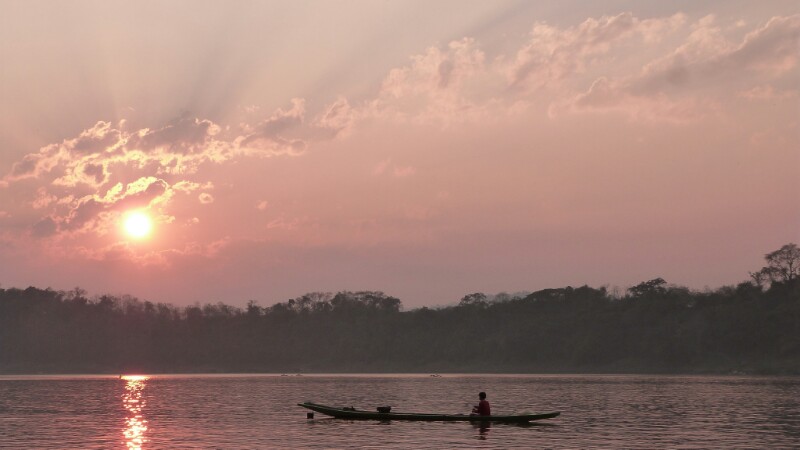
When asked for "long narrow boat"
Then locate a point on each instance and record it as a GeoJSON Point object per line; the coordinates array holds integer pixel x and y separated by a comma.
{"type": "Point", "coordinates": [355, 414]}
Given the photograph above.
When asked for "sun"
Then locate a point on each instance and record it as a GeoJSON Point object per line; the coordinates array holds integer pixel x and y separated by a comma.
{"type": "Point", "coordinates": [138, 224]}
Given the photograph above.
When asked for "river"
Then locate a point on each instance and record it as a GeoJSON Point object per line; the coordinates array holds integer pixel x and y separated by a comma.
{"type": "Point", "coordinates": [259, 411]}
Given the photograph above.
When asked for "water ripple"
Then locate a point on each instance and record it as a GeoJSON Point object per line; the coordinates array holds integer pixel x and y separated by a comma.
{"type": "Point", "coordinates": [259, 411]}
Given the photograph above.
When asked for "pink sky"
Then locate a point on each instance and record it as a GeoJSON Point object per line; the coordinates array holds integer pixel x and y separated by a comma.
{"type": "Point", "coordinates": [425, 150]}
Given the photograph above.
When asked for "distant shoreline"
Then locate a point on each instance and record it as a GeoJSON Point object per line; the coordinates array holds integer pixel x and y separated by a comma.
{"type": "Point", "coordinates": [787, 371]}
{"type": "Point", "coordinates": [657, 329]}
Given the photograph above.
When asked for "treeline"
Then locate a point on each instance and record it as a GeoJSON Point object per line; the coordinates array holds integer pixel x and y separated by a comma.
{"type": "Point", "coordinates": [753, 327]}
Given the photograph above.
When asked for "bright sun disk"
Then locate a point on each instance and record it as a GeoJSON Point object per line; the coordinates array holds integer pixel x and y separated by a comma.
{"type": "Point", "coordinates": [138, 224]}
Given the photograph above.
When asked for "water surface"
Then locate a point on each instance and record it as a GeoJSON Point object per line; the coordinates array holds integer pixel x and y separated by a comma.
{"type": "Point", "coordinates": [259, 411]}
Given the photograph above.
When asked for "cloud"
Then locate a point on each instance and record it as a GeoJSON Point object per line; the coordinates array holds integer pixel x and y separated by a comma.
{"type": "Point", "coordinates": [142, 193]}
{"type": "Point", "coordinates": [662, 69]}
{"type": "Point", "coordinates": [205, 198]}
{"type": "Point", "coordinates": [273, 136]}
{"type": "Point", "coordinates": [667, 89]}
{"type": "Point", "coordinates": [86, 170]}
{"type": "Point", "coordinates": [34, 165]}
{"type": "Point", "coordinates": [444, 85]}
{"type": "Point", "coordinates": [553, 54]}
{"type": "Point", "coordinates": [436, 70]}
{"type": "Point", "coordinates": [577, 69]}
{"type": "Point", "coordinates": [707, 57]}
{"type": "Point", "coordinates": [79, 187]}
{"type": "Point", "coordinates": [43, 228]}
{"type": "Point", "coordinates": [43, 199]}
{"type": "Point", "coordinates": [95, 212]}
{"type": "Point", "coordinates": [100, 153]}
{"type": "Point", "coordinates": [185, 134]}
{"type": "Point", "coordinates": [337, 119]}
{"type": "Point", "coordinates": [608, 96]}
{"type": "Point", "coordinates": [83, 215]}
{"type": "Point", "coordinates": [767, 92]}
{"type": "Point", "coordinates": [186, 186]}
{"type": "Point", "coordinates": [772, 48]}
{"type": "Point", "coordinates": [100, 138]}
{"type": "Point", "coordinates": [89, 212]}
{"type": "Point", "coordinates": [388, 167]}
{"type": "Point", "coordinates": [287, 132]}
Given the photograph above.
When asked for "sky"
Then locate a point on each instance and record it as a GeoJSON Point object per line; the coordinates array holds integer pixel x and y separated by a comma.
{"type": "Point", "coordinates": [425, 149]}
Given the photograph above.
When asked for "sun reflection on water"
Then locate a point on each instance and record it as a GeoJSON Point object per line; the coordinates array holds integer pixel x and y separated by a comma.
{"type": "Point", "coordinates": [134, 403]}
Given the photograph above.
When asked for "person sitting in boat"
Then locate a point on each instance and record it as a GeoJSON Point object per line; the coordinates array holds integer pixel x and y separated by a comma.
{"type": "Point", "coordinates": [482, 408]}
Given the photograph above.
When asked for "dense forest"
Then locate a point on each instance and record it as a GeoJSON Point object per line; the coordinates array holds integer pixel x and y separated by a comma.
{"type": "Point", "coordinates": [753, 327]}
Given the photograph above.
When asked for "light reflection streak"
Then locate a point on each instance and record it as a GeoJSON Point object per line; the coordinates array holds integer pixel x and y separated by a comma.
{"type": "Point", "coordinates": [134, 403]}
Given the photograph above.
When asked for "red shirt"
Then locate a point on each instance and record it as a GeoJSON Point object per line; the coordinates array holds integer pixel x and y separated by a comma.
{"type": "Point", "coordinates": [484, 409]}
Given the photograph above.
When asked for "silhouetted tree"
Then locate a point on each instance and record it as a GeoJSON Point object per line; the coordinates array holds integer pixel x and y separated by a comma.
{"type": "Point", "coordinates": [650, 288]}
{"type": "Point", "coordinates": [477, 299]}
{"type": "Point", "coordinates": [576, 329]}
{"type": "Point", "coordinates": [783, 267]}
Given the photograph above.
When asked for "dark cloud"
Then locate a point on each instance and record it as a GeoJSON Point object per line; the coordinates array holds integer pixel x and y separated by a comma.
{"type": "Point", "coordinates": [775, 48]}
{"type": "Point", "coordinates": [25, 167]}
{"type": "Point", "coordinates": [775, 45]}
{"type": "Point", "coordinates": [96, 172]}
{"type": "Point", "coordinates": [445, 71]}
{"type": "Point", "coordinates": [43, 228]}
{"type": "Point", "coordinates": [140, 199]}
{"type": "Point", "coordinates": [272, 129]}
{"type": "Point", "coordinates": [99, 138]}
{"type": "Point", "coordinates": [182, 134]}
{"type": "Point", "coordinates": [86, 211]}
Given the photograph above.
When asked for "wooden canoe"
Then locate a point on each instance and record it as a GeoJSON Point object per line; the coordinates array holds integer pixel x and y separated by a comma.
{"type": "Point", "coordinates": [355, 414]}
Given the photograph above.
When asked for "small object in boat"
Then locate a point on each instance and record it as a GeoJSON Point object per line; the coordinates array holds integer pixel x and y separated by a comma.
{"type": "Point", "coordinates": [348, 408]}
{"type": "Point", "coordinates": [384, 409]}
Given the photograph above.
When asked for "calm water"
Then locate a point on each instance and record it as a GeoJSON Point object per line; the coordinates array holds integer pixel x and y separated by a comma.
{"type": "Point", "coordinates": [259, 411]}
